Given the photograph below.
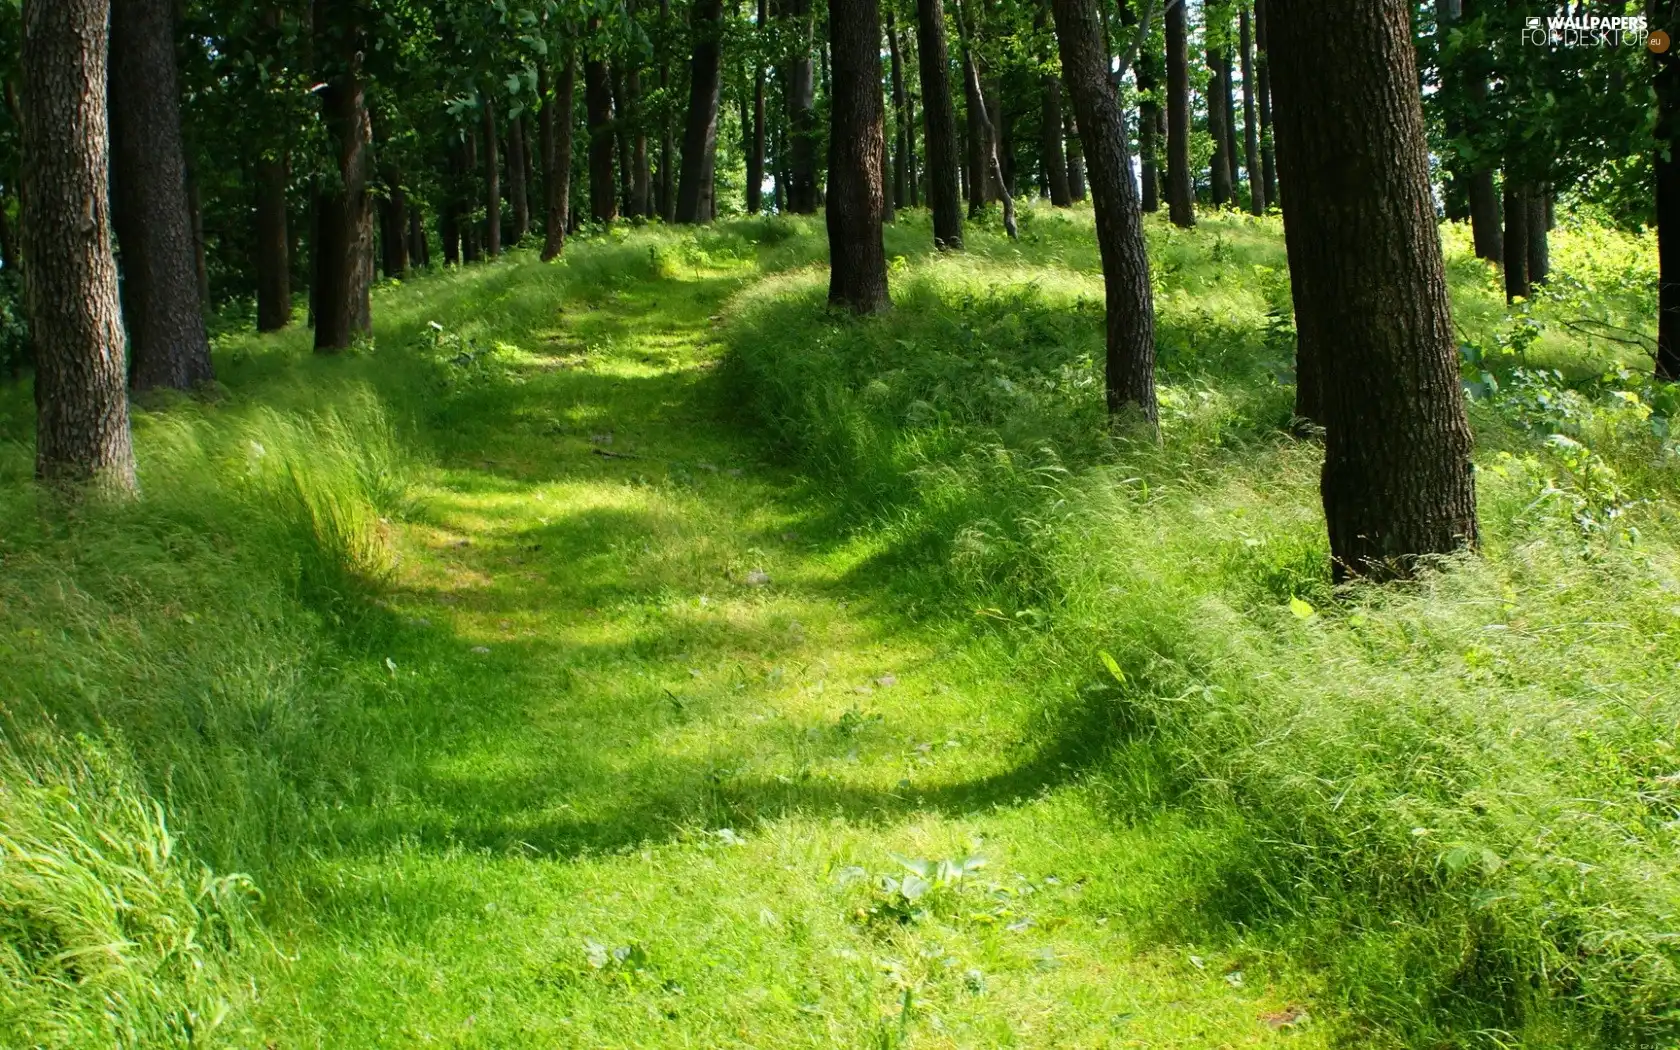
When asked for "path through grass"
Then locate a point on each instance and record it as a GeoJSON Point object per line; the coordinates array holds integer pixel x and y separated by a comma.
{"type": "Point", "coordinates": [656, 733]}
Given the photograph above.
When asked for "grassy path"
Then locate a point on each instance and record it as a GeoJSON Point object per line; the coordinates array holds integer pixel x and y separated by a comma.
{"type": "Point", "coordinates": [654, 732]}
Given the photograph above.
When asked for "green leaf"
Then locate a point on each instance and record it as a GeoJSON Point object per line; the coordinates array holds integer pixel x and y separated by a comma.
{"type": "Point", "coordinates": [1301, 608]}
{"type": "Point", "coordinates": [1113, 666]}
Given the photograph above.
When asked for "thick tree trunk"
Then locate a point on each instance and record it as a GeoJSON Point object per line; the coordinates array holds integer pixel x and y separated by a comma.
{"type": "Point", "coordinates": [1484, 199]}
{"type": "Point", "coordinates": [1220, 165]}
{"type": "Point", "coordinates": [1666, 162]}
{"type": "Point", "coordinates": [1181, 192]}
{"type": "Point", "coordinates": [597, 98]}
{"type": "Point", "coordinates": [1516, 240]}
{"type": "Point", "coordinates": [1251, 131]}
{"type": "Point", "coordinates": [1055, 157]}
{"type": "Point", "coordinates": [492, 178]}
{"type": "Point", "coordinates": [1368, 279]}
{"type": "Point", "coordinates": [556, 124]}
{"type": "Point", "coordinates": [802, 120]}
{"type": "Point", "coordinates": [901, 135]}
{"type": "Point", "coordinates": [1130, 365]}
{"type": "Point", "coordinates": [516, 169]}
{"type": "Point", "coordinates": [168, 344]}
{"type": "Point", "coordinates": [856, 149]}
{"type": "Point", "coordinates": [344, 239]}
{"type": "Point", "coordinates": [1263, 87]}
{"type": "Point", "coordinates": [940, 117]}
{"type": "Point", "coordinates": [81, 420]}
{"type": "Point", "coordinates": [699, 147]}
{"type": "Point", "coordinates": [755, 144]}
{"type": "Point", "coordinates": [274, 266]}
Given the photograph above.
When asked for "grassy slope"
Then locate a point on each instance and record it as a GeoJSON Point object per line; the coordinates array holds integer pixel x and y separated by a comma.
{"type": "Point", "coordinates": [519, 746]}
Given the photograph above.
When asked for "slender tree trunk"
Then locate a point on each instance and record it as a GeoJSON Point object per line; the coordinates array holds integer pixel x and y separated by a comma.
{"type": "Point", "coordinates": [344, 242]}
{"type": "Point", "coordinates": [978, 161]}
{"type": "Point", "coordinates": [641, 178]}
{"type": "Point", "coordinates": [1055, 158]}
{"type": "Point", "coordinates": [419, 252]}
{"type": "Point", "coordinates": [667, 140]}
{"type": "Point", "coordinates": [274, 266]}
{"type": "Point", "coordinates": [1516, 240]}
{"type": "Point", "coordinates": [516, 180]}
{"type": "Point", "coordinates": [1251, 131]}
{"type": "Point", "coordinates": [1075, 155]}
{"type": "Point", "coordinates": [393, 226]}
{"type": "Point", "coordinates": [597, 95]}
{"type": "Point", "coordinates": [1130, 364]}
{"type": "Point", "coordinates": [160, 290]}
{"type": "Point", "coordinates": [556, 123]}
{"type": "Point", "coordinates": [856, 149]}
{"type": "Point", "coordinates": [451, 223]}
{"type": "Point", "coordinates": [1263, 88]}
{"type": "Point", "coordinates": [1539, 247]}
{"type": "Point", "coordinates": [195, 219]}
{"type": "Point", "coordinates": [901, 137]}
{"type": "Point", "coordinates": [492, 178]}
{"type": "Point", "coordinates": [888, 212]}
{"type": "Point", "coordinates": [1484, 199]}
{"type": "Point", "coordinates": [910, 134]}
{"type": "Point", "coordinates": [1181, 192]}
{"type": "Point", "coordinates": [755, 146]}
{"type": "Point", "coordinates": [944, 195]}
{"type": "Point", "coordinates": [992, 169]}
{"type": "Point", "coordinates": [802, 120]}
{"type": "Point", "coordinates": [1220, 165]}
{"type": "Point", "coordinates": [1369, 281]}
{"type": "Point", "coordinates": [699, 148]}
{"type": "Point", "coordinates": [81, 421]}
{"type": "Point", "coordinates": [1666, 163]}
{"type": "Point", "coordinates": [622, 140]}
{"type": "Point", "coordinates": [1146, 68]}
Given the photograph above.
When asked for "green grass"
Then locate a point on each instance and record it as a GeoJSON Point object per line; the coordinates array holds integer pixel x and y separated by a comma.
{"type": "Point", "coordinates": [607, 654]}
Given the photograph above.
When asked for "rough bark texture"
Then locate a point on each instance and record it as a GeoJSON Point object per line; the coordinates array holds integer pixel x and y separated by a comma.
{"type": "Point", "coordinates": [1218, 115]}
{"type": "Point", "coordinates": [1251, 132]}
{"type": "Point", "coordinates": [556, 133]}
{"type": "Point", "coordinates": [1263, 87]}
{"type": "Point", "coordinates": [940, 118]}
{"type": "Point", "coordinates": [1147, 70]}
{"type": "Point", "coordinates": [1075, 155]}
{"type": "Point", "coordinates": [1130, 366]}
{"type": "Point", "coordinates": [519, 202]}
{"type": "Point", "coordinates": [344, 208]}
{"type": "Point", "coordinates": [1484, 199]}
{"type": "Point", "coordinates": [857, 260]}
{"type": "Point", "coordinates": [81, 422]}
{"type": "Point", "coordinates": [168, 344]}
{"type": "Point", "coordinates": [1539, 246]}
{"type": "Point", "coordinates": [755, 144]}
{"type": "Point", "coordinates": [597, 100]}
{"type": "Point", "coordinates": [901, 126]}
{"type": "Point", "coordinates": [699, 147]}
{"type": "Point", "coordinates": [1516, 240]}
{"type": "Point", "coordinates": [1368, 280]}
{"type": "Point", "coordinates": [1055, 158]}
{"type": "Point", "coordinates": [802, 195]}
{"type": "Point", "coordinates": [1666, 163]}
{"type": "Point", "coordinates": [274, 267]}
{"type": "Point", "coordinates": [1181, 192]}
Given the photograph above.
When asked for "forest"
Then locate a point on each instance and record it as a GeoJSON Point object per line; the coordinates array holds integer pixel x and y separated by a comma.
{"type": "Point", "coordinates": [875, 524]}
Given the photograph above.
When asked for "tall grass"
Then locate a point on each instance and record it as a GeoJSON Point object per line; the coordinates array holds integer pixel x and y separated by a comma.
{"type": "Point", "coordinates": [1460, 794]}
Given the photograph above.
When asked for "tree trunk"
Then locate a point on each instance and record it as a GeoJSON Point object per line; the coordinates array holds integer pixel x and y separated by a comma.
{"type": "Point", "coordinates": [393, 225]}
{"type": "Point", "coordinates": [1484, 199]}
{"type": "Point", "coordinates": [1075, 155]}
{"type": "Point", "coordinates": [517, 197]}
{"type": "Point", "coordinates": [344, 241]}
{"type": "Point", "coordinates": [419, 252]}
{"type": "Point", "coordinates": [667, 141]}
{"type": "Point", "coordinates": [1055, 158]}
{"type": "Point", "coordinates": [1368, 280]}
{"type": "Point", "coordinates": [978, 160]}
{"type": "Point", "coordinates": [556, 124]}
{"type": "Point", "coordinates": [1539, 248]}
{"type": "Point", "coordinates": [1220, 173]}
{"type": "Point", "coordinates": [492, 178]}
{"type": "Point", "coordinates": [597, 97]}
{"type": "Point", "coordinates": [940, 117]}
{"type": "Point", "coordinates": [1130, 364]}
{"type": "Point", "coordinates": [160, 290]}
{"type": "Point", "coordinates": [1263, 88]}
{"type": "Point", "coordinates": [1666, 163]}
{"type": "Point", "coordinates": [1181, 192]}
{"type": "Point", "coordinates": [1147, 72]}
{"type": "Point", "coordinates": [451, 221]}
{"type": "Point", "coordinates": [801, 98]}
{"type": "Point", "coordinates": [622, 141]}
{"type": "Point", "coordinates": [992, 174]}
{"type": "Point", "coordinates": [914, 178]}
{"type": "Point", "coordinates": [856, 149]}
{"type": "Point", "coordinates": [81, 421]}
{"type": "Point", "coordinates": [274, 267]}
{"type": "Point", "coordinates": [755, 145]}
{"type": "Point", "coordinates": [1251, 132]}
{"type": "Point", "coordinates": [1516, 240]}
{"type": "Point", "coordinates": [901, 125]}
{"type": "Point", "coordinates": [699, 147]}
{"type": "Point", "coordinates": [640, 177]}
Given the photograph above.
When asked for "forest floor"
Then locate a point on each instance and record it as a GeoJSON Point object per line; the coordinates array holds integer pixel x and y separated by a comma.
{"type": "Point", "coordinates": [672, 736]}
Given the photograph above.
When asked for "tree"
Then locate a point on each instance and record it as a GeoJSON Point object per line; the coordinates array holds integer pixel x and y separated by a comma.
{"type": "Point", "coordinates": [1368, 279]}
{"type": "Point", "coordinates": [81, 423]}
{"type": "Point", "coordinates": [802, 196]}
{"type": "Point", "coordinates": [1219, 113]}
{"type": "Point", "coordinates": [1666, 162]}
{"type": "Point", "coordinates": [699, 145]}
{"type": "Point", "coordinates": [1263, 89]}
{"type": "Point", "coordinates": [518, 201]}
{"type": "Point", "coordinates": [985, 134]}
{"type": "Point", "coordinates": [857, 260]}
{"type": "Point", "coordinates": [492, 176]}
{"type": "Point", "coordinates": [1055, 158]}
{"type": "Point", "coordinates": [940, 118]}
{"type": "Point", "coordinates": [1251, 136]}
{"type": "Point", "coordinates": [756, 140]}
{"type": "Point", "coordinates": [555, 123]}
{"type": "Point", "coordinates": [597, 100]}
{"type": "Point", "coordinates": [1181, 192]}
{"type": "Point", "coordinates": [903, 177]}
{"type": "Point", "coordinates": [165, 316]}
{"type": "Point", "coordinates": [1130, 365]}
{"type": "Point", "coordinates": [343, 207]}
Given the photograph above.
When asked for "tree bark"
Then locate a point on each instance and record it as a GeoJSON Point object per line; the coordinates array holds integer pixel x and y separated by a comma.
{"type": "Point", "coordinates": [492, 177]}
{"type": "Point", "coordinates": [940, 118]}
{"type": "Point", "coordinates": [901, 125]}
{"type": "Point", "coordinates": [344, 208]}
{"type": "Point", "coordinates": [699, 147]}
{"type": "Point", "coordinates": [1516, 240]}
{"type": "Point", "coordinates": [802, 121]}
{"type": "Point", "coordinates": [556, 125]}
{"type": "Point", "coordinates": [419, 251]}
{"type": "Point", "coordinates": [667, 140]}
{"type": "Point", "coordinates": [856, 151]}
{"type": "Point", "coordinates": [597, 97]}
{"type": "Point", "coordinates": [1147, 72]}
{"type": "Point", "coordinates": [274, 267]}
{"type": "Point", "coordinates": [1220, 165]}
{"type": "Point", "coordinates": [641, 178]}
{"type": "Point", "coordinates": [1539, 247]}
{"type": "Point", "coordinates": [168, 344]}
{"type": "Point", "coordinates": [1181, 192]}
{"type": "Point", "coordinates": [1251, 133]}
{"type": "Point", "coordinates": [991, 174]}
{"type": "Point", "coordinates": [622, 141]}
{"type": "Point", "coordinates": [517, 197]}
{"type": "Point", "coordinates": [1055, 157]}
{"type": "Point", "coordinates": [1666, 163]}
{"type": "Point", "coordinates": [1263, 87]}
{"type": "Point", "coordinates": [1368, 280]}
{"type": "Point", "coordinates": [755, 147]}
{"type": "Point", "coordinates": [81, 422]}
{"type": "Point", "coordinates": [1130, 363]}
{"type": "Point", "coordinates": [1075, 155]}
{"type": "Point", "coordinates": [393, 224]}
{"type": "Point", "coordinates": [1484, 199]}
